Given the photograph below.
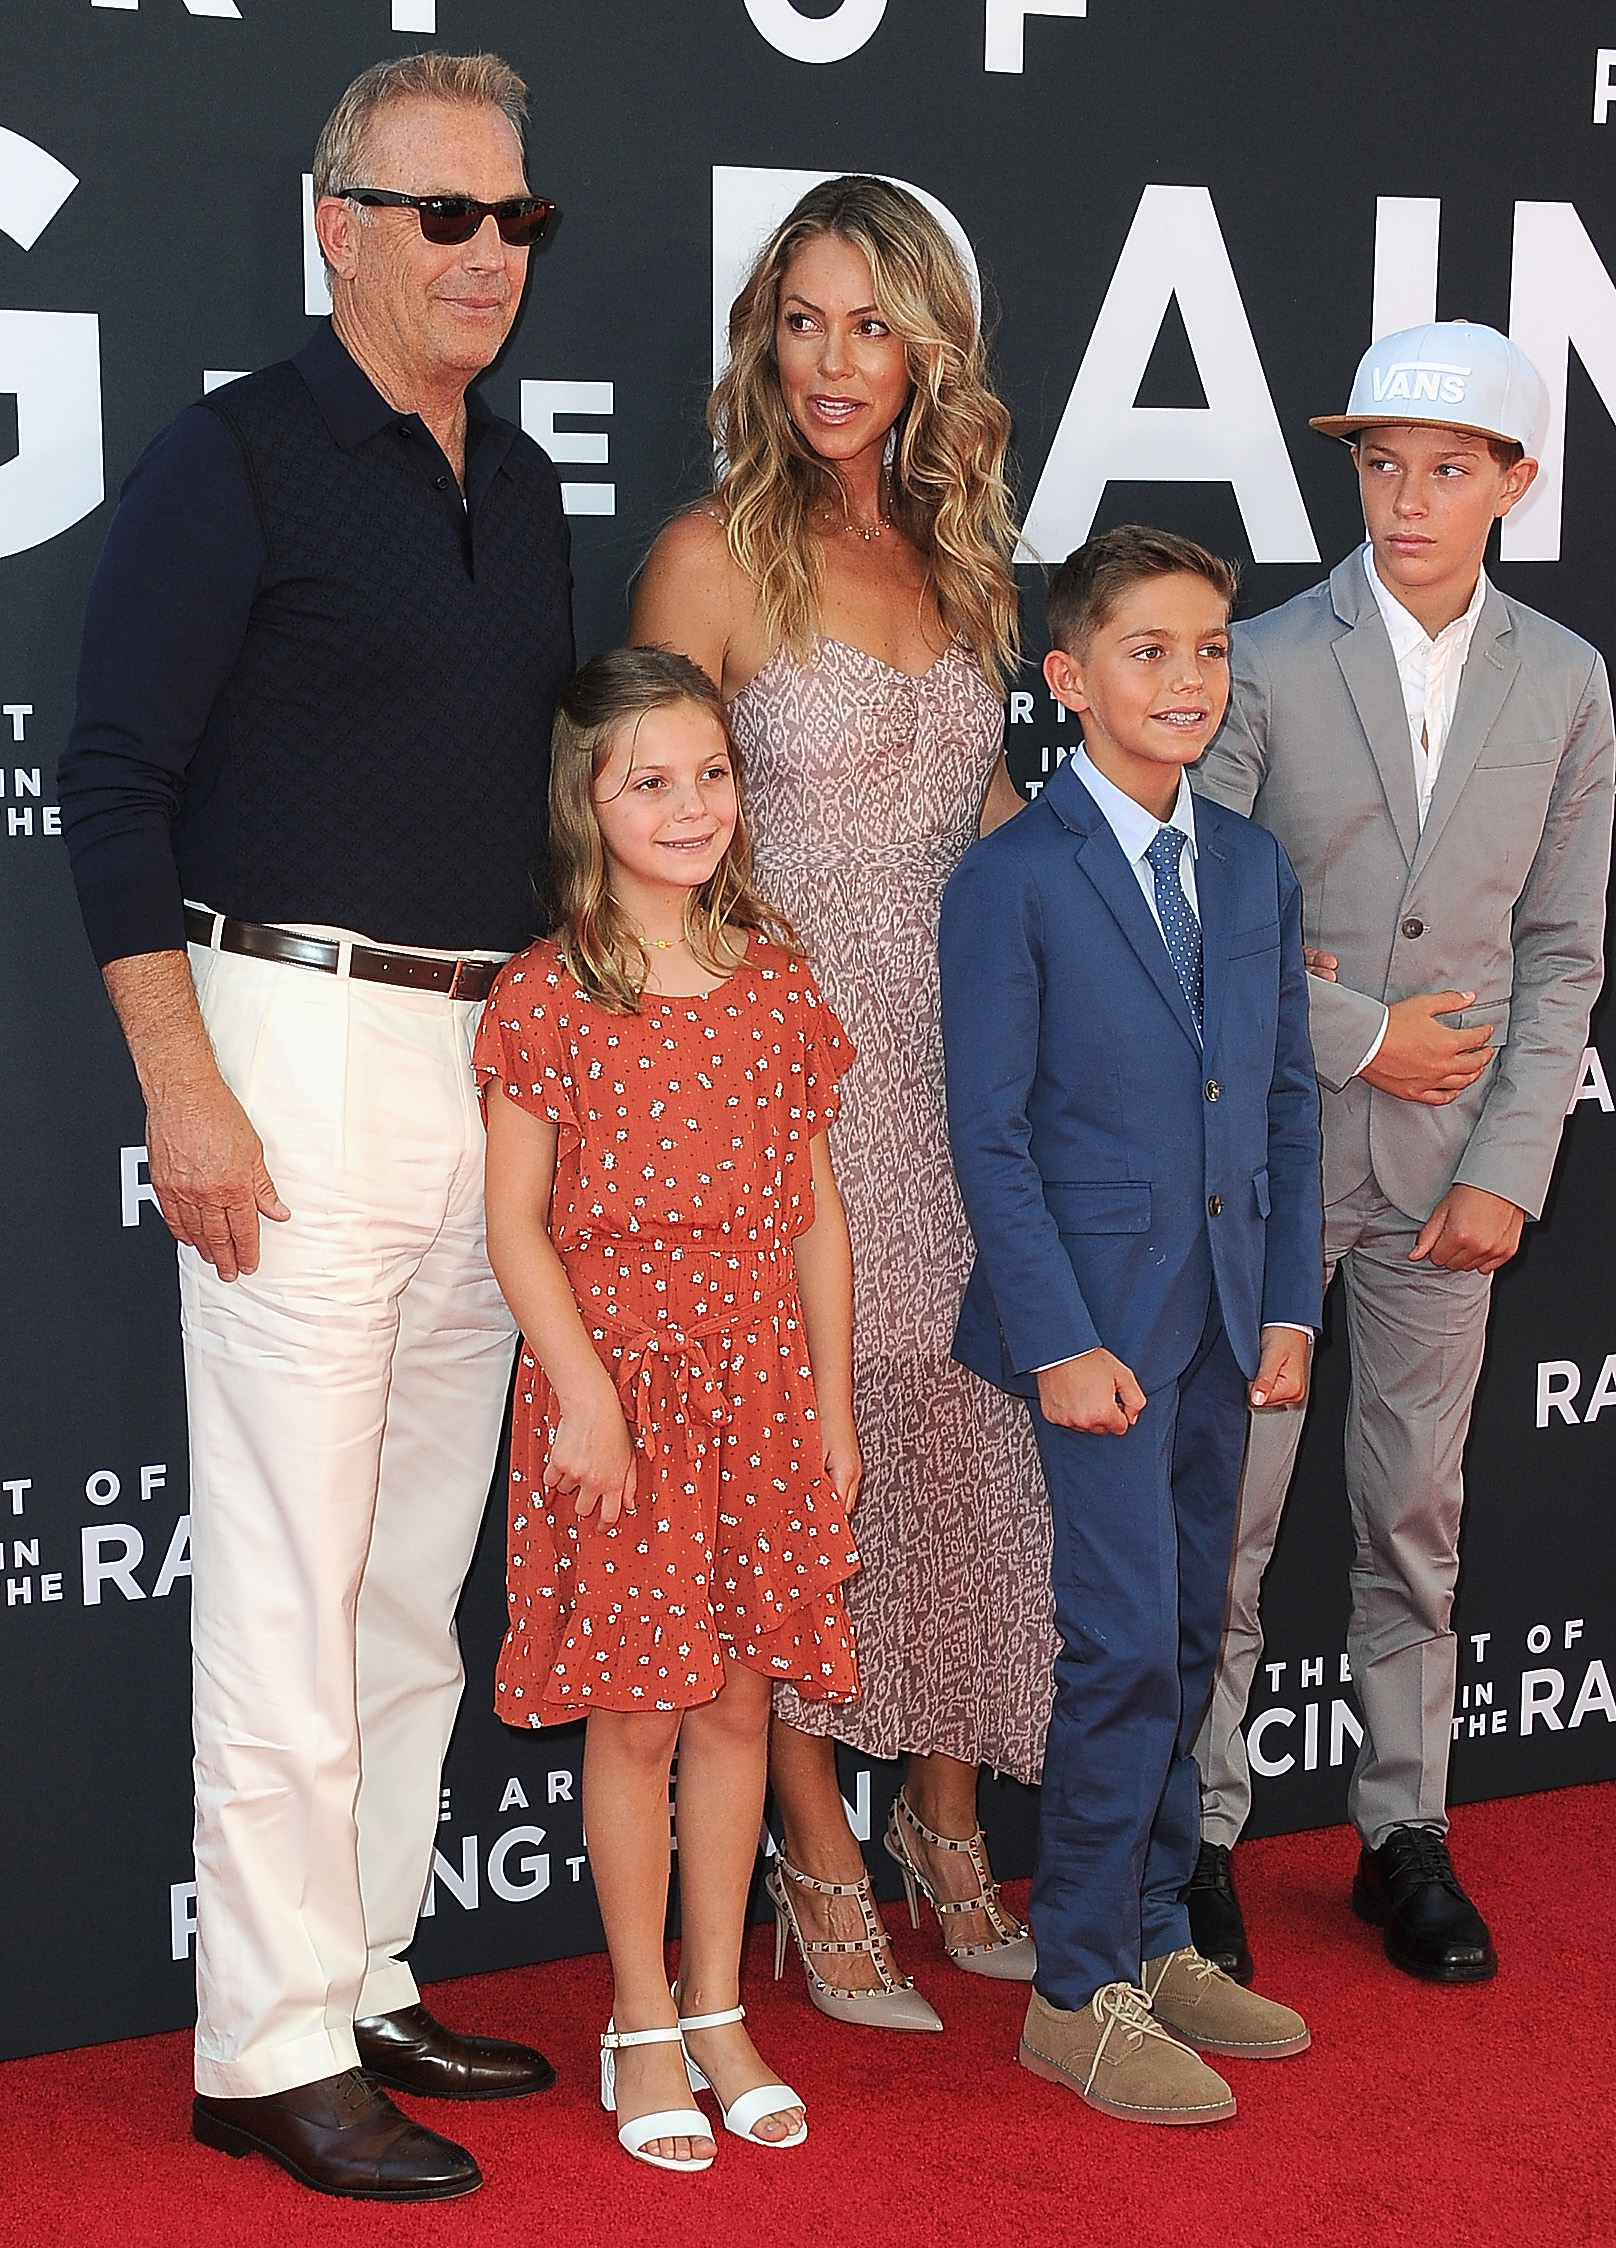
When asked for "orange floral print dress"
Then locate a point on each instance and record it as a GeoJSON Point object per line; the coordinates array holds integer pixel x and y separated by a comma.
{"type": "Point", "coordinates": [682, 1176]}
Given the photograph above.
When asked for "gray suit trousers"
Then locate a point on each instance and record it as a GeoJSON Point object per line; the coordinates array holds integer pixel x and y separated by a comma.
{"type": "Point", "coordinates": [1416, 1335]}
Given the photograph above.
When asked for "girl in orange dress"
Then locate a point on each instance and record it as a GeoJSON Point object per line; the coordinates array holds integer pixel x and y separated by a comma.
{"type": "Point", "coordinates": [659, 1078]}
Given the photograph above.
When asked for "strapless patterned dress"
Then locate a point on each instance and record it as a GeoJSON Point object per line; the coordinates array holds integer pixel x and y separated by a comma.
{"type": "Point", "coordinates": [864, 785]}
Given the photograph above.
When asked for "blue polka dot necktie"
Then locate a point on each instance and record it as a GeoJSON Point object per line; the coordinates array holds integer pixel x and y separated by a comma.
{"type": "Point", "coordinates": [1179, 925]}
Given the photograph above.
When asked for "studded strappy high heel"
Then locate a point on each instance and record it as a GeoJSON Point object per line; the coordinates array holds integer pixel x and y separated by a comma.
{"type": "Point", "coordinates": [1011, 1957]}
{"type": "Point", "coordinates": [895, 2004]}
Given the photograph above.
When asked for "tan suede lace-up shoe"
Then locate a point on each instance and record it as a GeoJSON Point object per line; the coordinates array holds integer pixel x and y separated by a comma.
{"type": "Point", "coordinates": [1116, 2056]}
{"type": "Point", "coordinates": [1200, 2003]}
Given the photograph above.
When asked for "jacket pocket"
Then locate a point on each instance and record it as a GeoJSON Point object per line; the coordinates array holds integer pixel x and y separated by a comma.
{"type": "Point", "coordinates": [1259, 1181]}
{"type": "Point", "coordinates": [1498, 757]}
{"type": "Point", "coordinates": [1265, 939]}
{"type": "Point", "coordinates": [1120, 1206]}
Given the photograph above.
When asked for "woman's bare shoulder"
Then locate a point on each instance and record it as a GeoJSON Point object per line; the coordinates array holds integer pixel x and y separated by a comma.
{"type": "Point", "coordinates": [694, 597]}
{"type": "Point", "coordinates": [696, 540]}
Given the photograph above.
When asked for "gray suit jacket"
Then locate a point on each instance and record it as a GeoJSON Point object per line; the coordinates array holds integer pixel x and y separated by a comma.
{"type": "Point", "coordinates": [1502, 894]}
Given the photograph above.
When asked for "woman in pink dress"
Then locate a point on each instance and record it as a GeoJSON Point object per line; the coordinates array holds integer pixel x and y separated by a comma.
{"type": "Point", "coordinates": [849, 586]}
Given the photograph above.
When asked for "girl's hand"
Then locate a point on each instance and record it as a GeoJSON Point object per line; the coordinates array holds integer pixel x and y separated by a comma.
{"type": "Point", "coordinates": [593, 1458]}
{"type": "Point", "coordinates": [844, 1462]}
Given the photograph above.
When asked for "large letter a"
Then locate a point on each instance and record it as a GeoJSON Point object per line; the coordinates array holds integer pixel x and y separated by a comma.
{"type": "Point", "coordinates": [1174, 249]}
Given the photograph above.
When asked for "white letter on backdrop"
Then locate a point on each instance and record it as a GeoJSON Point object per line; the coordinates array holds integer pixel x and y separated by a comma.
{"type": "Point", "coordinates": [1174, 249]}
{"type": "Point", "coordinates": [1559, 295]}
{"type": "Point", "coordinates": [1407, 228]}
{"type": "Point", "coordinates": [51, 363]}
{"type": "Point", "coordinates": [829, 38]}
{"type": "Point", "coordinates": [1006, 29]}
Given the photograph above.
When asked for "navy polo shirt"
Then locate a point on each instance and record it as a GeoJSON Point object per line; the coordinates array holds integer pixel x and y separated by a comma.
{"type": "Point", "coordinates": [317, 684]}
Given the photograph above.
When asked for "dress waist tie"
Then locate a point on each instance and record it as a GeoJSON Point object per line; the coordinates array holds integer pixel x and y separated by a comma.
{"type": "Point", "coordinates": [668, 1391]}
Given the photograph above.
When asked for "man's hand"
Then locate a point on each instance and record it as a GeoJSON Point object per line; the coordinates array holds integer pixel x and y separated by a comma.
{"type": "Point", "coordinates": [1281, 1377]}
{"type": "Point", "coordinates": [1096, 1393]}
{"type": "Point", "coordinates": [206, 1161]}
{"type": "Point", "coordinates": [207, 1171]}
{"type": "Point", "coordinates": [1470, 1230]}
{"type": "Point", "coordinates": [1320, 964]}
{"type": "Point", "coordinates": [1422, 1060]}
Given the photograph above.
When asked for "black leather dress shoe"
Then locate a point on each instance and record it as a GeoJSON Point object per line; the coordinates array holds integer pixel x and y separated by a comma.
{"type": "Point", "coordinates": [340, 2135]}
{"type": "Point", "coordinates": [1217, 1928]}
{"type": "Point", "coordinates": [1409, 1888]}
{"type": "Point", "coordinates": [410, 2052]}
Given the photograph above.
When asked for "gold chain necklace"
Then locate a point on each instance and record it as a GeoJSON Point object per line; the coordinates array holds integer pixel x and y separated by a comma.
{"type": "Point", "coordinates": [870, 532]}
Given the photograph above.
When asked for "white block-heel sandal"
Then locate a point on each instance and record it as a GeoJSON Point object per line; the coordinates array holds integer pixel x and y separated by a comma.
{"type": "Point", "coordinates": [750, 2109]}
{"type": "Point", "coordinates": [663, 2123]}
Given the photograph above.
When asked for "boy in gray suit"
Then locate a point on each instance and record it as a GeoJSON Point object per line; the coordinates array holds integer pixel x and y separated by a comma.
{"type": "Point", "coordinates": [1436, 760]}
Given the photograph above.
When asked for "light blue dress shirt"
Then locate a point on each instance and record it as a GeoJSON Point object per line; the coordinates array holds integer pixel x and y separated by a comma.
{"type": "Point", "coordinates": [1135, 829]}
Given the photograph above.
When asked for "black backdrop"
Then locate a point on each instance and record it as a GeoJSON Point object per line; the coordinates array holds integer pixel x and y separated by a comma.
{"type": "Point", "coordinates": [1207, 206]}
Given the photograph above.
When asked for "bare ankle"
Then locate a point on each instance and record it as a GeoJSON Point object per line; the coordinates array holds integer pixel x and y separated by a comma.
{"type": "Point", "coordinates": [823, 1854]}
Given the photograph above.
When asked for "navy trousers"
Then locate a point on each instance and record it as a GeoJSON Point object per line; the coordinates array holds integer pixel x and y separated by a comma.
{"type": "Point", "coordinates": [1144, 1531]}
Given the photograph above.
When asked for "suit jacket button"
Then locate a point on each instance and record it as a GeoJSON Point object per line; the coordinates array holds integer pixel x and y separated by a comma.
{"type": "Point", "coordinates": [1214, 1205]}
{"type": "Point", "coordinates": [1214, 1091]}
{"type": "Point", "coordinates": [1413, 927]}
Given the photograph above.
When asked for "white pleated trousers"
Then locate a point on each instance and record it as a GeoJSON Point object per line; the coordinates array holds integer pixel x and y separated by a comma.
{"type": "Point", "coordinates": [345, 1405]}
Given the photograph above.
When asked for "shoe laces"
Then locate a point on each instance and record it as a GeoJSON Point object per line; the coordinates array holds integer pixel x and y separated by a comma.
{"type": "Point", "coordinates": [1192, 1964]}
{"type": "Point", "coordinates": [1421, 1857]}
{"type": "Point", "coordinates": [354, 2091]}
{"type": "Point", "coordinates": [1121, 2007]}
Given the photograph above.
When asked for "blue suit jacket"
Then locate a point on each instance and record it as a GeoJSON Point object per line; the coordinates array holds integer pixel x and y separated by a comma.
{"type": "Point", "coordinates": [1109, 1165]}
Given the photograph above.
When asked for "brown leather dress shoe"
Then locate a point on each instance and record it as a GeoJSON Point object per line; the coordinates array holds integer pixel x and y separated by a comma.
{"type": "Point", "coordinates": [340, 2135]}
{"type": "Point", "coordinates": [410, 2052]}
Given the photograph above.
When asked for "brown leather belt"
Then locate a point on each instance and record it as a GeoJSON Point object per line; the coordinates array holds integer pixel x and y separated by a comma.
{"type": "Point", "coordinates": [407, 971]}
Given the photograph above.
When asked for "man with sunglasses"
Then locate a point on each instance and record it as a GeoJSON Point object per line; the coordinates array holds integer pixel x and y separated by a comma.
{"type": "Point", "coordinates": [304, 797]}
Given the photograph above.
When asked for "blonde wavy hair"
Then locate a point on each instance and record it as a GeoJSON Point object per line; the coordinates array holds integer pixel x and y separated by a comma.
{"type": "Point", "coordinates": [600, 947]}
{"type": "Point", "coordinates": [949, 496]}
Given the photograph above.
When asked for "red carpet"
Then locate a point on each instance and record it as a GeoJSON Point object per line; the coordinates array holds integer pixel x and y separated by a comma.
{"type": "Point", "coordinates": [1476, 2118]}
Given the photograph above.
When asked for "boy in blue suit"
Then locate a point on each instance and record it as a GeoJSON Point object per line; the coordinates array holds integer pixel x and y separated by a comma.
{"type": "Point", "coordinates": [1135, 1123]}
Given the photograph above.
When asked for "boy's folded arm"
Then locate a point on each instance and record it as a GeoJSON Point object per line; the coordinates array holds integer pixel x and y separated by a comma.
{"type": "Point", "coordinates": [1346, 1027]}
{"type": "Point", "coordinates": [1293, 1264]}
{"type": "Point", "coordinates": [990, 951]}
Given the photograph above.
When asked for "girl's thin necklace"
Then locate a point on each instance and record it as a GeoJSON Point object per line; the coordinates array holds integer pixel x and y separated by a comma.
{"type": "Point", "coordinates": [659, 944]}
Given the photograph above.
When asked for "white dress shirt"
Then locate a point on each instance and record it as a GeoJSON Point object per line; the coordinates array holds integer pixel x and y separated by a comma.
{"type": "Point", "coordinates": [1135, 830]}
{"type": "Point", "coordinates": [1429, 672]}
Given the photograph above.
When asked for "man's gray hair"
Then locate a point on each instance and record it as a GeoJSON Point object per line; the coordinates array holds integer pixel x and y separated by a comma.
{"type": "Point", "coordinates": [473, 80]}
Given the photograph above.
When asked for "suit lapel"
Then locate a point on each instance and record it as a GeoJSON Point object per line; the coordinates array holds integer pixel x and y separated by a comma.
{"type": "Point", "coordinates": [1370, 671]}
{"type": "Point", "coordinates": [1214, 893]}
{"type": "Point", "coordinates": [1489, 671]}
{"type": "Point", "coordinates": [1100, 857]}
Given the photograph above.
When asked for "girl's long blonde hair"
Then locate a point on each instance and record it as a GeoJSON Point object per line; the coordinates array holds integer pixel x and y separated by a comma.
{"type": "Point", "coordinates": [600, 947]}
{"type": "Point", "coordinates": [949, 494]}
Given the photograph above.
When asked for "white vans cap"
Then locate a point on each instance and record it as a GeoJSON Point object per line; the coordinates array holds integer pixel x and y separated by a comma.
{"type": "Point", "coordinates": [1453, 374]}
